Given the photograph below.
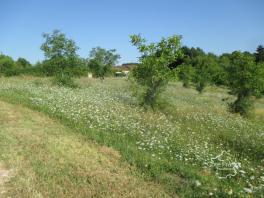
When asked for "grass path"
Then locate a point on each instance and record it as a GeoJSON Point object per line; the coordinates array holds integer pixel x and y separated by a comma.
{"type": "Point", "coordinates": [42, 158]}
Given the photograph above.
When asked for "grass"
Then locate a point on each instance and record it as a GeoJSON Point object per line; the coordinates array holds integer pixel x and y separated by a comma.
{"type": "Point", "coordinates": [192, 145]}
{"type": "Point", "coordinates": [47, 159]}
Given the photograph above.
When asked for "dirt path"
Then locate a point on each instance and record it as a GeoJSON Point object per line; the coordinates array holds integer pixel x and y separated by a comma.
{"type": "Point", "coordinates": [49, 160]}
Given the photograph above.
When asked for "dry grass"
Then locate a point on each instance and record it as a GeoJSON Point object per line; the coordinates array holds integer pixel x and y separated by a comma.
{"type": "Point", "coordinates": [49, 160]}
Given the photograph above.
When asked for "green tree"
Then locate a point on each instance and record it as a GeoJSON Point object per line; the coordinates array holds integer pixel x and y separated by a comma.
{"type": "Point", "coordinates": [7, 66]}
{"type": "Point", "coordinates": [186, 73]}
{"type": "Point", "coordinates": [192, 53]}
{"type": "Point", "coordinates": [205, 68]}
{"type": "Point", "coordinates": [224, 64]}
{"type": "Point", "coordinates": [246, 79]}
{"type": "Point", "coordinates": [259, 54]}
{"type": "Point", "coordinates": [60, 53]}
{"type": "Point", "coordinates": [153, 72]}
{"type": "Point", "coordinates": [22, 63]}
{"type": "Point", "coordinates": [101, 61]}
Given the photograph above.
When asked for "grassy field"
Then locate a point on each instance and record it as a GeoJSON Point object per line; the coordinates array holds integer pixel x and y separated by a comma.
{"type": "Point", "coordinates": [191, 146]}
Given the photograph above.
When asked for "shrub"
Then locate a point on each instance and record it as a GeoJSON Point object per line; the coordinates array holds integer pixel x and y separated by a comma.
{"type": "Point", "coordinates": [64, 80]}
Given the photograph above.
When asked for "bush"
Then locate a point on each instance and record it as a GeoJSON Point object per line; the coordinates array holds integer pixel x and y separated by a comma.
{"type": "Point", "coordinates": [64, 80]}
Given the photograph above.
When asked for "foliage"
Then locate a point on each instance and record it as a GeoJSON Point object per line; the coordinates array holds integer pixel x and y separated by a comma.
{"type": "Point", "coordinates": [205, 68]}
{"type": "Point", "coordinates": [57, 45]}
{"type": "Point", "coordinates": [7, 66]}
{"type": "Point", "coordinates": [60, 53]}
{"type": "Point", "coordinates": [186, 74]}
{"type": "Point", "coordinates": [153, 72]}
{"type": "Point", "coordinates": [64, 80]}
{"type": "Point", "coordinates": [246, 79]}
{"type": "Point", "coordinates": [101, 61]}
{"type": "Point", "coordinates": [259, 54]}
{"type": "Point", "coordinates": [22, 63]}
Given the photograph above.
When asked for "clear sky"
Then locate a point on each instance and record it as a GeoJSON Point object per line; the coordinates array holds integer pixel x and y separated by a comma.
{"type": "Point", "coordinates": [214, 25]}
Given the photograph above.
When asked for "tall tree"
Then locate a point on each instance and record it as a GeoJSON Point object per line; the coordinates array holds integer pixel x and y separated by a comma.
{"type": "Point", "coordinates": [59, 51]}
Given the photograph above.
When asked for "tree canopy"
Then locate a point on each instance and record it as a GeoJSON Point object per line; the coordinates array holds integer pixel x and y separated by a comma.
{"type": "Point", "coordinates": [101, 61]}
{"type": "Point", "coordinates": [153, 72]}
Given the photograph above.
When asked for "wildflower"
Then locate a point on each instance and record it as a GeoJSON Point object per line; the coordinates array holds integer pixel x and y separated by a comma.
{"type": "Point", "coordinates": [198, 183]}
{"type": "Point", "coordinates": [230, 192]}
{"type": "Point", "coordinates": [248, 190]}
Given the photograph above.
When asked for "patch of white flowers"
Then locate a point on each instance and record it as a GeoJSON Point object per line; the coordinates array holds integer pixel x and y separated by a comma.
{"type": "Point", "coordinates": [105, 108]}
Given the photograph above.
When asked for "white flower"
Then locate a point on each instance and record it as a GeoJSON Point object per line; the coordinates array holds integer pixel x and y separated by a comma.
{"type": "Point", "coordinates": [198, 183]}
{"type": "Point", "coordinates": [248, 190]}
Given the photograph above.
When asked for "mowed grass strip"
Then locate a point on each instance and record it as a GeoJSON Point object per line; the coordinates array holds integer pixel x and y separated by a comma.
{"type": "Point", "coordinates": [46, 159]}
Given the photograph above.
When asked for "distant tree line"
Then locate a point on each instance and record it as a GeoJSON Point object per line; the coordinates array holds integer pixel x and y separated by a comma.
{"type": "Point", "coordinates": [241, 72]}
{"type": "Point", "coordinates": [61, 59]}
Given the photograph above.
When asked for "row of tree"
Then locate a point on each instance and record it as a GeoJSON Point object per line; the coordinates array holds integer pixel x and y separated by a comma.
{"type": "Point", "coordinates": [241, 72]}
{"type": "Point", "coordinates": [9, 67]}
{"type": "Point", "coordinates": [61, 58]}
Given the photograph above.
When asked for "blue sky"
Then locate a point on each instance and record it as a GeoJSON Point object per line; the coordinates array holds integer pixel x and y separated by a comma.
{"type": "Point", "coordinates": [214, 25]}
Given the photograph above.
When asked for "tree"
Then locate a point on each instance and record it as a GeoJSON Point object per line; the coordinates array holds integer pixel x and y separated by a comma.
{"type": "Point", "coordinates": [259, 54]}
{"type": "Point", "coordinates": [224, 64]}
{"type": "Point", "coordinates": [205, 68]}
{"type": "Point", "coordinates": [192, 53]}
{"type": "Point", "coordinates": [60, 53]}
{"type": "Point", "coordinates": [101, 61]}
{"type": "Point", "coordinates": [153, 72]}
{"type": "Point", "coordinates": [246, 79]}
{"type": "Point", "coordinates": [22, 63]}
{"type": "Point", "coordinates": [7, 65]}
{"type": "Point", "coordinates": [186, 73]}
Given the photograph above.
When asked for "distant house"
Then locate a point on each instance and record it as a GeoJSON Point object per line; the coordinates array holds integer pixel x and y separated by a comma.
{"type": "Point", "coordinates": [125, 66]}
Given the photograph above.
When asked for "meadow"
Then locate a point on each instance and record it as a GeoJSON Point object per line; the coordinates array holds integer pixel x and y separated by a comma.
{"type": "Point", "coordinates": [191, 145]}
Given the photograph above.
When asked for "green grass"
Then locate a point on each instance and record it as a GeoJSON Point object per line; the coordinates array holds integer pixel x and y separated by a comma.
{"type": "Point", "coordinates": [191, 145]}
{"type": "Point", "coordinates": [45, 159]}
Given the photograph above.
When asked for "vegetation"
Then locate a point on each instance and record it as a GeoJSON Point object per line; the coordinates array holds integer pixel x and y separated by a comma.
{"type": "Point", "coordinates": [60, 54]}
{"type": "Point", "coordinates": [153, 72]}
{"type": "Point", "coordinates": [259, 54]}
{"type": "Point", "coordinates": [101, 61]}
{"type": "Point", "coordinates": [7, 65]}
{"type": "Point", "coordinates": [241, 72]}
{"type": "Point", "coordinates": [246, 79]}
{"type": "Point", "coordinates": [193, 147]}
{"type": "Point", "coordinates": [64, 79]}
